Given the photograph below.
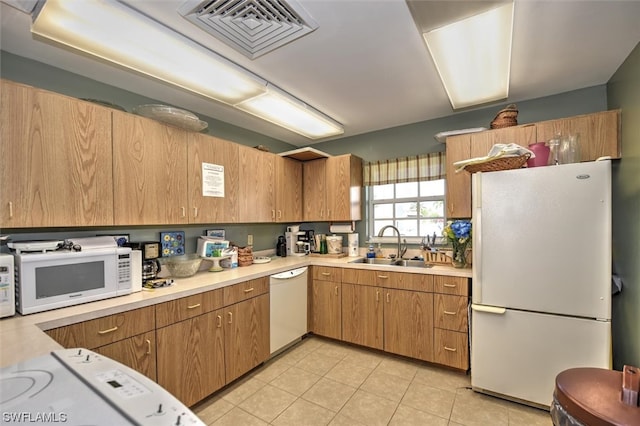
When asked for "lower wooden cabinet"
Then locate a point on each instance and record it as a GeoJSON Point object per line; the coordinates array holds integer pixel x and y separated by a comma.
{"type": "Point", "coordinates": [191, 363]}
{"type": "Point", "coordinates": [408, 323]}
{"type": "Point", "coordinates": [451, 348]}
{"type": "Point", "coordinates": [326, 302]}
{"type": "Point", "coordinates": [137, 352]}
{"type": "Point", "coordinates": [246, 339]}
{"type": "Point", "coordinates": [362, 315]}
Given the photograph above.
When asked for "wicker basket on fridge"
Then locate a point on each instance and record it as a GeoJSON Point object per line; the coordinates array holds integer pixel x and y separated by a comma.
{"type": "Point", "coordinates": [497, 164]}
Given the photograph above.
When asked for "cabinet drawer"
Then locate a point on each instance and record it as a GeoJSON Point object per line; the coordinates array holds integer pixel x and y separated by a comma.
{"type": "Point", "coordinates": [359, 276]}
{"type": "Point", "coordinates": [326, 273]}
{"type": "Point", "coordinates": [405, 281]}
{"type": "Point", "coordinates": [137, 352]}
{"type": "Point", "coordinates": [246, 290]}
{"type": "Point", "coordinates": [451, 348]}
{"type": "Point", "coordinates": [450, 312]}
{"type": "Point", "coordinates": [102, 331]}
{"type": "Point", "coordinates": [187, 307]}
{"type": "Point", "coordinates": [458, 286]}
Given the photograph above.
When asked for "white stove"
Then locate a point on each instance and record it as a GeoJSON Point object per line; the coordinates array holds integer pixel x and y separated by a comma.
{"type": "Point", "coordinates": [81, 387]}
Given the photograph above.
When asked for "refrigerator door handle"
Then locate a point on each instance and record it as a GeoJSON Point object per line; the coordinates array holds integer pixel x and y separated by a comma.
{"type": "Point", "coordinates": [489, 309]}
{"type": "Point", "coordinates": [476, 242]}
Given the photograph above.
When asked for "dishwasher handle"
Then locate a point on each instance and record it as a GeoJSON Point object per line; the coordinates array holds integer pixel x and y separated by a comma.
{"type": "Point", "coordinates": [290, 274]}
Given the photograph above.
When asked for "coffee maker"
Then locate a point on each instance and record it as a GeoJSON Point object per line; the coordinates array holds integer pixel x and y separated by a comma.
{"type": "Point", "coordinates": [150, 254]}
{"type": "Point", "coordinates": [296, 244]}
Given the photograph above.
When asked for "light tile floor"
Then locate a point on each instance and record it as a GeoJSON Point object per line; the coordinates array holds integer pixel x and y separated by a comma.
{"type": "Point", "coordinates": [323, 382]}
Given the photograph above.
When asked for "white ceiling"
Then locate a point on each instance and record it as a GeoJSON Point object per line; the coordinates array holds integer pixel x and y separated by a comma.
{"type": "Point", "coordinates": [367, 66]}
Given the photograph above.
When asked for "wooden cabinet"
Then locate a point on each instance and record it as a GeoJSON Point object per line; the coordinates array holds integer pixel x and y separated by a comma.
{"type": "Point", "coordinates": [332, 189]}
{"type": "Point", "coordinates": [256, 195]}
{"type": "Point", "coordinates": [246, 340]}
{"type": "Point", "coordinates": [127, 337]}
{"type": "Point", "coordinates": [191, 357]}
{"type": "Point", "coordinates": [326, 297]}
{"type": "Point", "coordinates": [209, 339]}
{"type": "Point", "coordinates": [55, 160]}
{"type": "Point", "coordinates": [450, 318]}
{"type": "Point", "coordinates": [408, 323]}
{"type": "Point", "coordinates": [599, 136]}
{"type": "Point", "coordinates": [288, 190]}
{"type": "Point", "coordinates": [599, 133]}
{"type": "Point", "coordinates": [223, 156]}
{"type": "Point", "coordinates": [137, 352]}
{"type": "Point", "coordinates": [362, 315]}
{"type": "Point", "coordinates": [149, 171]}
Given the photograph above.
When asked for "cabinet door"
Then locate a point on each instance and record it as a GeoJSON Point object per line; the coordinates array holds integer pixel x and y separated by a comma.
{"type": "Point", "coordinates": [246, 335]}
{"type": "Point", "coordinates": [408, 323]}
{"type": "Point", "coordinates": [137, 352]}
{"type": "Point", "coordinates": [55, 160]}
{"type": "Point", "coordinates": [599, 133]}
{"type": "Point", "coordinates": [326, 309]}
{"type": "Point", "coordinates": [344, 185]}
{"type": "Point", "coordinates": [362, 315]}
{"type": "Point", "coordinates": [314, 189]}
{"type": "Point", "coordinates": [256, 192]}
{"type": "Point", "coordinates": [191, 357]}
{"type": "Point", "coordinates": [223, 155]}
{"type": "Point", "coordinates": [458, 190]}
{"type": "Point", "coordinates": [288, 190]}
{"type": "Point", "coordinates": [150, 171]}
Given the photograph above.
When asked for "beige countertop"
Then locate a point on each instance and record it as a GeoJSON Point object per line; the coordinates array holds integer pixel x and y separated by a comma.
{"type": "Point", "coordinates": [22, 336]}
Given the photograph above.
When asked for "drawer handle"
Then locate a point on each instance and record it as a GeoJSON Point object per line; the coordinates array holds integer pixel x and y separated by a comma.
{"type": "Point", "coordinates": [450, 313]}
{"type": "Point", "coordinates": [446, 348]}
{"type": "Point", "coordinates": [148, 347]}
{"type": "Point", "coordinates": [450, 285]}
{"type": "Point", "coordinates": [10, 209]}
{"type": "Point", "coordinates": [388, 297]}
{"type": "Point", "coordinates": [195, 212]}
{"type": "Point", "coordinates": [377, 295]}
{"type": "Point", "coordinates": [248, 290]}
{"type": "Point", "coordinates": [110, 330]}
{"type": "Point", "coordinates": [336, 290]}
{"type": "Point", "coordinates": [230, 317]}
{"type": "Point", "coordinates": [197, 305]}
{"type": "Point", "coordinates": [384, 277]}
{"type": "Point", "coordinates": [183, 211]}
{"type": "Point", "coordinates": [219, 321]}
{"type": "Point", "coordinates": [326, 274]}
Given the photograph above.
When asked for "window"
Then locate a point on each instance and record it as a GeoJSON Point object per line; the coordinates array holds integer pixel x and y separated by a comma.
{"type": "Point", "coordinates": [406, 192]}
{"type": "Point", "coordinates": [415, 208]}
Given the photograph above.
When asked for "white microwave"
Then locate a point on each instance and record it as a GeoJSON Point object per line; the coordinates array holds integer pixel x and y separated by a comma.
{"type": "Point", "coordinates": [57, 279]}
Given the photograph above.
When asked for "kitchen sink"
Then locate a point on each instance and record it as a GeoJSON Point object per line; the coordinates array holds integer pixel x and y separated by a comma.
{"type": "Point", "coordinates": [389, 262]}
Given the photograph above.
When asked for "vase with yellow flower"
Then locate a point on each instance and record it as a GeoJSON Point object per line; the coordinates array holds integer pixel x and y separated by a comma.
{"type": "Point", "coordinates": [458, 232]}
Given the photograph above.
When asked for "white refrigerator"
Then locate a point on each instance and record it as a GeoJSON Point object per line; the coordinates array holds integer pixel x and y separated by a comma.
{"type": "Point", "coordinates": [541, 300]}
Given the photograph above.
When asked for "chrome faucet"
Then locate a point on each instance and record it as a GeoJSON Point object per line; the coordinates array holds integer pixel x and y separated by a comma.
{"type": "Point", "coordinates": [384, 228]}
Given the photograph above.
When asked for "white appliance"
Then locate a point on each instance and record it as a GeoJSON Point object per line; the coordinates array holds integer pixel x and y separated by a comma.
{"type": "Point", "coordinates": [288, 306]}
{"type": "Point", "coordinates": [541, 299]}
{"type": "Point", "coordinates": [81, 387]}
{"type": "Point", "coordinates": [296, 243]}
{"type": "Point", "coordinates": [7, 302]}
{"type": "Point", "coordinates": [58, 279]}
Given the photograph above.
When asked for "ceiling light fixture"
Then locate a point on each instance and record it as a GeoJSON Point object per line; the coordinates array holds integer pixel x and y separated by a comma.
{"type": "Point", "coordinates": [114, 32]}
{"type": "Point", "coordinates": [280, 108]}
{"type": "Point", "coordinates": [473, 56]}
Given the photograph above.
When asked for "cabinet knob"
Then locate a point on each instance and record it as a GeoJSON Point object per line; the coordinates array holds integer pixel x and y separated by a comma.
{"type": "Point", "coordinates": [148, 347]}
{"type": "Point", "coordinates": [219, 320]}
{"type": "Point", "coordinates": [230, 317]}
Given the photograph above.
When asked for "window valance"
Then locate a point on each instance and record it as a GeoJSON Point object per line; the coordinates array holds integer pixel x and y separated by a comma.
{"type": "Point", "coordinates": [405, 169]}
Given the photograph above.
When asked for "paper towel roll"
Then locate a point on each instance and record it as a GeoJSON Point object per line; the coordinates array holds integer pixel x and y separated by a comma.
{"type": "Point", "coordinates": [341, 228]}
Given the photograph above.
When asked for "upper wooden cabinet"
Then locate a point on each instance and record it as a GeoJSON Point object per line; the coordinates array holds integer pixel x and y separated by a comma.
{"type": "Point", "coordinates": [212, 151]}
{"type": "Point", "coordinates": [599, 133]}
{"type": "Point", "coordinates": [55, 160]}
{"type": "Point", "coordinates": [288, 190]}
{"type": "Point", "coordinates": [332, 189]}
{"type": "Point", "coordinates": [256, 195]}
{"type": "Point", "coordinates": [149, 171]}
{"type": "Point", "coordinates": [599, 136]}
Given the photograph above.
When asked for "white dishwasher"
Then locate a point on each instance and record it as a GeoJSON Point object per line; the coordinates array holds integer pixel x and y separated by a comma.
{"type": "Point", "coordinates": [288, 307]}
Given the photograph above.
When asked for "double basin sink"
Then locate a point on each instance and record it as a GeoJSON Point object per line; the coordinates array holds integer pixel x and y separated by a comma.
{"type": "Point", "coordinates": [392, 262]}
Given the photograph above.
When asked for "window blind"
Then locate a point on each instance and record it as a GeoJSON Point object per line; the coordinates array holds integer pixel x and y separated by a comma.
{"type": "Point", "coordinates": [405, 169]}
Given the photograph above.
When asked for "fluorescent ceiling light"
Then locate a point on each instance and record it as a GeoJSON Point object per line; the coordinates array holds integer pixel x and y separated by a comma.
{"type": "Point", "coordinates": [473, 56]}
{"type": "Point", "coordinates": [281, 109]}
{"type": "Point", "coordinates": [114, 32]}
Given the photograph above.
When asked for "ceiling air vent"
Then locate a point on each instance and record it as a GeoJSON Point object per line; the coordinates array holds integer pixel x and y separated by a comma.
{"type": "Point", "coordinates": [253, 27]}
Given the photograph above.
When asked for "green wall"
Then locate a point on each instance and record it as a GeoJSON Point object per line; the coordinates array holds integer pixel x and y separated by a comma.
{"type": "Point", "coordinates": [623, 91]}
